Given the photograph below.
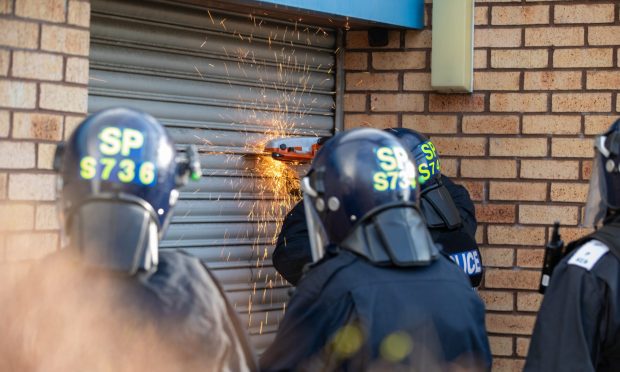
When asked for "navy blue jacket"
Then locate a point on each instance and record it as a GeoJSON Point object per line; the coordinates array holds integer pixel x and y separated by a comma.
{"type": "Point", "coordinates": [432, 308]}
{"type": "Point", "coordinates": [293, 252]}
{"type": "Point", "coordinates": [578, 325]}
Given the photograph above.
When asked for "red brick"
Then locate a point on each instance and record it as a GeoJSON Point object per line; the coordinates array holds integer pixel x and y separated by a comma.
{"type": "Point", "coordinates": [572, 148]}
{"type": "Point", "coordinates": [552, 80]}
{"type": "Point", "coordinates": [371, 81]}
{"type": "Point", "coordinates": [65, 40]}
{"type": "Point", "coordinates": [551, 124]}
{"type": "Point", "coordinates": [17, 155]}
{"type": "Point", "coordinates": [511, 279]}
{"type": "Point", "coordinates": [583, 57]}
{"type": "Point", "coordinates": [497, 38]}
{"type": "Point", "coordinates": [520, 15]}
{"type": "Point", "coordinates": [532, 258]}
{"type": "Point", "coordinates": [519, 102]}
{"type": "Point", "coordinates": [6, 7]}
{"type": "Point", "coordinates": [354, 102]}
{"type": "Point", "coordinates": [481, 15]}
{"type": "Point", "coordinates": [480, 58]}
{"type": "Point", "coordinates": [45, 155]}
{"type": "Point", "coordinates": [497, 300]}
{"type": "Point", "coordinates": [520, 58]}
{"type": "Point", "coordinates": [527, 191]}
{"type": "Point", "coordinates": [49, 10]}
{"type": "Point", "coordinates": [417, 81]}
{"type": "Point", "coordinates": [3, 185]}
{"type": "Point", "coordinates": [597, 124]}
{"type": "Point", "coordinates": [508, 365]}
{"type": "Point", "coordinates": [456, 103]}
{"type": "Point", "coordinates": [17, 94]}
{"type": "Point", "coordinates": [449, 167]}
{"type": "Point", "coordinates": [418, 39]}
{"type": "Point", "coordinates": [355, 61]}
{"type": "Point", "coordinates": [586, 169]}
{"type": "Point", "coordinates": [16, 217]}
{"type": "Point", "coordinates": [521, 147]}
{"type": "Point", "coordinates": [517, 235]}
{"type": "Point", "coordinates": [79, 13]}
{"type": "Point", "coordinates": [523, 344]}
{"type": "Point", "coordinates": [495, 213]}
{"type": "Point", "coordinates": [460, 146]}
{"type": "Point", "coordinates": [528, 301]}
{"type": "Point", "coordinates": [399, 60]}
{"type": "Point", "coordinates": [501, 345]}
{"type": "Point", "coordinates": [430, 124]}
{"type": "Point", "coordinates": [584, 13]}
{"type": "Point", "coordinates": [372, 121]}
{"type": "Point", "coordinates": [554, 36]}
{"type": "Point", "coordinates": [488, 168]}
{"type": "Point", "coordinates": [491, 124]}
{"type": "Point", "coordinates": [397, 102]}
{"type": "Point", "coordinates": [47, 217]}
{"type": "Point", "coordinates": [496, 80]}
{"type": "Point", "coordinates": [510, 324]}
{"type": "Point", "coordinates": [497, 257]}
{"type": "Point", "coordinates": [572, 233]}
{"type": "Point", "coordinates": [604, 35]}
{"type": "Point", "coordinates": [475, 189]}
{"type": "Point", "coordinates": [76, 70]}
{"type": "Point", "coordinates": [71, 122]}
{"type": "Point", "coordinates": [547, 214]}
{"type": "Point", "coordinates": [5, 123]}
{"type": "Point", "coordinates": [37, 126]}
{"type": "Point", "coordinates": [359, 39]}
{"type": "Point", "coordinates": [5, 58]}
{"type": "Point", "coordinates": [19, 34]}
{"type": "Point", "coordinates": [603, 80]}
{"type": "Point", "coordinates": [30, 186]}
{"type": "Point", "coordinates": [550, 169]}
{"type": "Point", "coordinates": [63, 98]}
{"type": "Point", "coordinates": [29, 246]}
{"type": "Point", "coordinates": [581, 102]}
{"type": "Point", "coordinates": [569, 192]}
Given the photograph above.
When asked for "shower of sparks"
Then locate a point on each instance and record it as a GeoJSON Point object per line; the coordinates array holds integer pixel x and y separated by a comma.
{"type": "Point", "coordinates": [274, 185]}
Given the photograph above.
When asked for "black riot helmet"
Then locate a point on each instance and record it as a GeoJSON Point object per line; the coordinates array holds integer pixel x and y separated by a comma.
{"type": "Point", "coordinates": [435, 200]}
{"type": "Point", "coordinates": [361, 194]}
{"type": "Point", "coordinates": [604, 192]}
{"type": "Point", "coordinates": [119, 178]}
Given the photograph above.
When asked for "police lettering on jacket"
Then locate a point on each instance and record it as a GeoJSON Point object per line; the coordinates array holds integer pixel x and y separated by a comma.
{"type": "Point", "coordinates": [469, 261]}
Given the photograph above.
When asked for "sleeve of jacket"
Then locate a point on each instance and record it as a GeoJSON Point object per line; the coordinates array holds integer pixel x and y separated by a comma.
{"type": "Point", "coordinates": [463, 202]}
{"type": "Point", "coordinates": [304, 333]}
{"type": "Point", "coordinates": [292, 251]}
{"type": "Point", "coordinates": [567, 331]}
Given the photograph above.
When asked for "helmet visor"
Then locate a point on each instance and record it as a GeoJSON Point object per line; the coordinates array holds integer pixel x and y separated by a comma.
{"type": "Point", "coordinates": [316, 230]}
{"type": "Point", "coordinates": [596, 207]}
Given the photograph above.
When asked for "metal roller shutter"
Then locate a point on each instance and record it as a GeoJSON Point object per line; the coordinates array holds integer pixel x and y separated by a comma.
{"type": "Point", "coordinates": [225, 82]}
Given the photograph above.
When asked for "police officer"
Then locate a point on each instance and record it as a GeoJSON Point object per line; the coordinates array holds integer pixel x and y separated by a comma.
{"type": "Point", "coordinates": [381, 294]}
{"type": "Point", "coordinates": [578, 325]}
{"type": "Point", "coordinates": [110, 300]}
{"type": "Point", "coordinates": [447, 208]}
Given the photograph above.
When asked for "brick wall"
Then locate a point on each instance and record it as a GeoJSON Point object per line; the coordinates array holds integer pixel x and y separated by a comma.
{"type": "Point", "coordinates": [44, 48]}
{"type": "Point", "coordinates": [545, 81]}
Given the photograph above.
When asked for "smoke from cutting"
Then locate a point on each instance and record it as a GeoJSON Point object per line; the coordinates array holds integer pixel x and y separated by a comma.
{"type": "Point", "coordinates": [62, 316]}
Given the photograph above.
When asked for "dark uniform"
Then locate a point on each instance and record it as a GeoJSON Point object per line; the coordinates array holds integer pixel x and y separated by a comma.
{"type": "Point", "coordinates": [110, 301]}
{"type": "Point", "coordinates": [67, 317]}
{"type": "Point", "coordinates": [578, 325]}
{"type": "Point", "coordinates": [455, 233]}
{"type": "Point", "coordinates": [348, 290]}
{"type": "Point", "coordinates": [381, 295]}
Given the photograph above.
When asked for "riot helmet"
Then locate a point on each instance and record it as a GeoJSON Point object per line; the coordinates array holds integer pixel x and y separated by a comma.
{"type": "Point", "coordinates": [604, 191]}
{"type": "Point", "coordinates": [119, 174]}
{"type": "Point", "coordinates": [435, 200]}
{"type": "Point", "coordinates": [361, 194]}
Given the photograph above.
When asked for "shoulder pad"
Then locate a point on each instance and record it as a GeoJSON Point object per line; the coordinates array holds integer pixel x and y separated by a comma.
{"type": "Point", "coordinates": [588, 254]}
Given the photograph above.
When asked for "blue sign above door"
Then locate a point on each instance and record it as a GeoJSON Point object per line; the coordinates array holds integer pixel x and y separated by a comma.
{"type": "Point", "coordinates": [402, 13]}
